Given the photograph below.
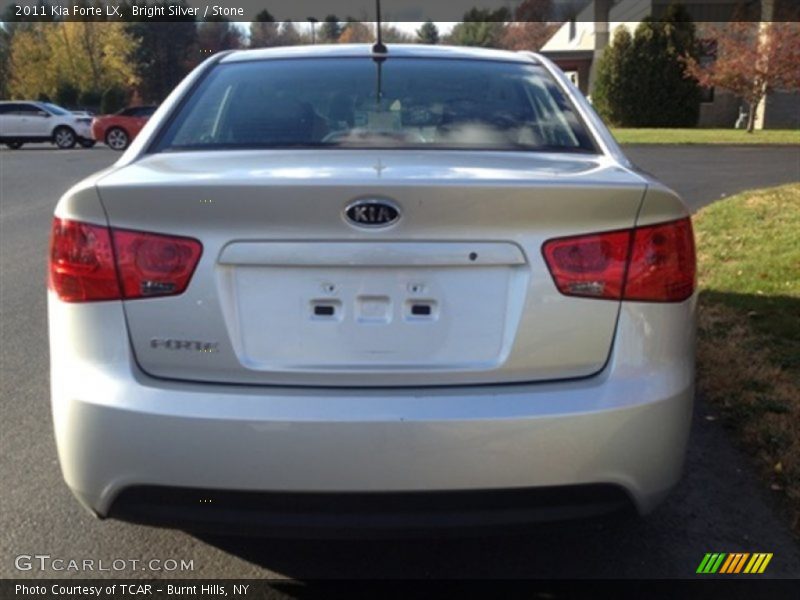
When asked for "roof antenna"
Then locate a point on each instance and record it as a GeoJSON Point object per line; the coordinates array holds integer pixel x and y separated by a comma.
{"type": "Point", "coordinates": [379, 52]}
{"type": "Point", "coordinates": [378, 47]}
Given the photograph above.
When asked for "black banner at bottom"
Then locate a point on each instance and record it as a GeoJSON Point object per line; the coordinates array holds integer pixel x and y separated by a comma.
{"type": "Point", "coordinates": [255, 589]}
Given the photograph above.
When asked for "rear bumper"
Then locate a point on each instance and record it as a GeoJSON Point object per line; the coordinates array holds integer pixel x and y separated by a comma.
{"type": "Point", "coordinates": [118, 429]}
{"type": "Point", "coordinates": [359, 515]}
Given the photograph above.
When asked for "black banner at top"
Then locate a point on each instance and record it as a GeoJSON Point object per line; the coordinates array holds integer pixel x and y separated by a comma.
{"type": "Point", "coordinates": [393, 10]}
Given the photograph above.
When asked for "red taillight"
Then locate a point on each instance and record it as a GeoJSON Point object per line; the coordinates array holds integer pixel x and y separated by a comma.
{"type": "Point", "coordinates": [92, 262]}
{"type": "Point", "coordinates": [154, 265]}
{"type": "Point", "coordinates": [661, 266]}
{"type": "Point", "coordinates": [589, 265]}
{"type": "Point", "coordinates": [82, 262]}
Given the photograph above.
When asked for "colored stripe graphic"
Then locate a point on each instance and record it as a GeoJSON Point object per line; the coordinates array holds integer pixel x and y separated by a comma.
{"type": "Point", "coordinates": [752, 564]}
{"type": "Point", "coordinates": [734, 561]}
{"type": "Point", "coordinates": [758, 563]}
{"type": "Point", "coordinates": [703, 563]}
{"type": "Point", "coordinates": [711, 562]}
{"type": "Point", "coordinates": [717, 563]}
{"type": "Point", "coordinates": [732, 558]}
{"type": "Point", "coordinates": [765, 563]}
{"type": "Point", "coordinates": [722, 563]}
{"type": "Point", "coordinates": [741, 562]}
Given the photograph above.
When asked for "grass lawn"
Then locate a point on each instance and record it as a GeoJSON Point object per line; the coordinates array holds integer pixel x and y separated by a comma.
{"type": "Point", "coordinates": [748, 347]}
{"type": "Point", "coordinates": [706, 136]}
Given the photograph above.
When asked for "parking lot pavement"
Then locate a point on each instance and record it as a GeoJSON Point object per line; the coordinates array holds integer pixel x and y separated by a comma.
{"type": "Point", "coordinates": [705, 174]}
{"type": "Point", "coordinates": [718, 507]}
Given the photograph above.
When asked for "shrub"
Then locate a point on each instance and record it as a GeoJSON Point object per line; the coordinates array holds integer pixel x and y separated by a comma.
{"type": "Point", "coordinates": [67, 95]}
{"type": "Point", "coordinates": [609, 96]}
{"type": "Point", "coordinates": [89, 99]}
{"type": "Point", "coordinates": [641, 82]}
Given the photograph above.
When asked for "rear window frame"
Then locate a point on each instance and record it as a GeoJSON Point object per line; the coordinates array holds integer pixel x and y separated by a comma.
{"type": "Point", "coordinates": [156, 144]}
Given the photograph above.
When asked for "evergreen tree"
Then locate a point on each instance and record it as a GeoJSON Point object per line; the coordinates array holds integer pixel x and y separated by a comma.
{"type": "Point", "coordinates": [428, 33]}
{"type": "Point", "coordinates": [642, 82]}
{"type": "Point", "coordinates": [263, 30]}
{"type": "Point", "coordinates": [480, 27]}
{"type": "Point", "coordinates": [218, 34]}
{"type": "Point", "coordinates": [167, 51]}
{"type": "Point", "coordinates": [289, 36]}
{"type": "Point", "coordinates": [610, 96]}
{"type": "Point", "coordinates": [331, 30]}
{"type": "Point", "coordinates": [392, 35]}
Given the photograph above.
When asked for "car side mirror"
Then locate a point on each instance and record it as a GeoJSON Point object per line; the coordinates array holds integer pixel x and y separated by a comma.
{"type": "Point", "coordinates": [43, 113]}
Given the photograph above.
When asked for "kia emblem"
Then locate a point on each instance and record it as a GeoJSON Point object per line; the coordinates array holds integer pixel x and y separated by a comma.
{"type": "Point", "coordinates": [372, 213]}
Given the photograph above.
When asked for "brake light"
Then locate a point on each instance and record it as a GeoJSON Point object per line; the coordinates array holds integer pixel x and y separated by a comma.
{"type": "Point", "coordinates": [654, 263]}
{"type": "Point", "coordinates": [82, 262]}
{"type": "Point", "coordinates": [662, 266]}
{"type": "Point", "coordinates": [154, 265]}
{"type": "Point", "coordinates": [92, 262]}
{"type": "Point", "coordinates": [589, 265]}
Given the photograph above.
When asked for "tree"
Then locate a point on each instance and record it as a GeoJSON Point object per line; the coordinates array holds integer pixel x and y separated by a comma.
{"type": "Point", "coordinates": [664, 95]}
{"type": "Point", "coordinates": [535, 11]}
{"type": "Point", "coordinates": [428, 33]}
{"type": "Point", "coordinates": [527, 35]}
{"type": "Point", "coordinates": [480, 27]}
{"type": "Point", "coordinates": [67, 94]}
{"type": "Point", "coordinates": [5, 53]}
{"type": "Point", "coordinates": [532, 26]}
{"type": "Point", "coordinates": [29, 71]}
{"type": "Point", "coordinates": [644, 84]}
{"type": "Point", "coordinates": [217, 35]}
{"type": "Point", "coordinates": [90, 99]}
{"type": "Point", "coordinates": [392, 35]}
{"type": "Point", "coordinates": [612, 94]}
{"type": "Point", "coordinates": [113, 99]}
{"type": "Point", "coordinates": [167, 52]}
{"type": "Point", "coordinates": [331, 30]}
{"type": "Point", "coordinates": [752, 60]}
{"type": "Point", "coordinates": [264, 31]}
{"type": "Point", "coordinates": [90, 55]}
{"type": "Point", "coordinates": [356, 32]}
{"type": "Point", "coordinates": [289, 36]}
{"type": "Point", "coordinates": [9, 25]}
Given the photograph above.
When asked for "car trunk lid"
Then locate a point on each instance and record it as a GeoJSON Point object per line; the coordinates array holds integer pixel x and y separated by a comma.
{"type": "Point", "coordinates": [290, 292]}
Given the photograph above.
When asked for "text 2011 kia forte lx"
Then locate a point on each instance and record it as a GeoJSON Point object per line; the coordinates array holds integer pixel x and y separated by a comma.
{"type": "Point", "coordinates": [335, 288]}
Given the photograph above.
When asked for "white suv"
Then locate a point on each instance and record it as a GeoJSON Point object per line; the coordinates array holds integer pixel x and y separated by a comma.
{"type": "Point", "coordinates": [26, 121]}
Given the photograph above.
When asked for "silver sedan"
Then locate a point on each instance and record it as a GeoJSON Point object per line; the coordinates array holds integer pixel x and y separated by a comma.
{"type": "Point", "coordinates": [342, 289]}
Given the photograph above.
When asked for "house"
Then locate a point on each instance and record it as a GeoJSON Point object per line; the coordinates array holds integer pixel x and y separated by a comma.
{"type": "Point", "coordinates": [579, 43]}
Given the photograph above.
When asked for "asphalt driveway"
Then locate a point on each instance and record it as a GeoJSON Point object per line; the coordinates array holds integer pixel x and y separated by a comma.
{"type": "Point", "coordinates": [718, 507]}
{"type": "Point", "coordinates": [705, 174]}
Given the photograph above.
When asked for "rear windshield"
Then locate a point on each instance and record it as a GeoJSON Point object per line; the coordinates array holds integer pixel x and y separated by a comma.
{"type": "Point", "coordinates": [360, 103]}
